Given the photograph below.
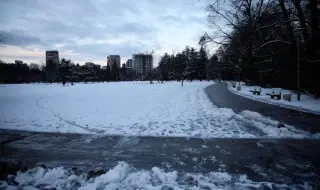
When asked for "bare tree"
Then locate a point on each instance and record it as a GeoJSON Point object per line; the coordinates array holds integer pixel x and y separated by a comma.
{"type": "Point", "coordinates": [273, 37]}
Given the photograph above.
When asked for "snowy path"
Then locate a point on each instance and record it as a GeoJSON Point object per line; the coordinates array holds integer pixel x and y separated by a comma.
{"type": "Point", "coordinates": [131, 109]}
{"type": "Point", "coordinates": [307, 104]}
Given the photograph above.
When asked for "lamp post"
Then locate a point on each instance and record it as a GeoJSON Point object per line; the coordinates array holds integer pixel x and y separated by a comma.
{"type": "Point", "coordinates": [238, 70]}
{"type": "Point", "coordinates": [299, 31]}
{"type": "Point", "coordinates": [298, 67]}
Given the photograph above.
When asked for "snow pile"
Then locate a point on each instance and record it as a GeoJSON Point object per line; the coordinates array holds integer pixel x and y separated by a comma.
{"type": "Point", "coordinates": [124, 176]}
{"type": "Point", "coordinates": [307, 103]}
{"type": "Point", "coordinates": [129, 109]}
{"type": "Point", "coordinates": [273, 128]}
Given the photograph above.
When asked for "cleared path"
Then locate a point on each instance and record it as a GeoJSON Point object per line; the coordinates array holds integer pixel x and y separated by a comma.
{"type": "Point", "coordinates": [222, 97]}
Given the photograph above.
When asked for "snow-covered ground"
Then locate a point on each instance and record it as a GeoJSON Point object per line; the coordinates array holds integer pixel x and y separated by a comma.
{"type": "Point", "coordinates": [307, 103]}
{"type": "Point", "coordinates": [124, 176]}
{"type": "Point", "coordinates": [130, 109]}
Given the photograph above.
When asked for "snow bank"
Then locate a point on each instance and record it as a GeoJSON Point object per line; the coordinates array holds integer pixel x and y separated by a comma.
{"type": "Point", "coordinates": [124, 176]}
{"type": "Point", "coordinates": [271, 128]}
{"type": "Point", "coordinates": [307, 103]}
{"type": "Point", "coordinates": [129, 109]}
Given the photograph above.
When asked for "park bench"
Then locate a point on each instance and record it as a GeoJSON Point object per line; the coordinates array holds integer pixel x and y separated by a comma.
{"type": "Point", "coordinates": [276, 92]}
{"type": "Point", "coordinates": [256, 90]}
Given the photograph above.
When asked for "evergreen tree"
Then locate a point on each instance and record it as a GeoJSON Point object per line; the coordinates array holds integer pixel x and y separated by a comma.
{"type": "Point", "coordinates": [213, 69]}
{"type": "Point", "coordinates": [190, 71]}
{"type": "Point", "coordinates": [164, 67]}
{"type": "Point", "coordinates": [108, 73]}
{"type": "Point", "coordinates": [180, 65]}
{"type": "Point", "coordinates": [201, 66]}
{"type": "Point", "coordinates": [115, 72]}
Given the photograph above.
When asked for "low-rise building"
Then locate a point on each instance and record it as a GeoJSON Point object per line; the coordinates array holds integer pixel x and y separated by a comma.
{"type": "Point", "coordinates": [18, 62]}
{"type": "Point", "coordinates": [89, 64]}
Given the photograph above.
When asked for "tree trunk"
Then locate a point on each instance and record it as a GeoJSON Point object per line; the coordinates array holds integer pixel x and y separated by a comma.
{"type": "Point", "coordinates": [302, 20]}
{"type": "Point", "coordinates": [288, 24]}
{"type": "Point", "coordinates": [313, 46]}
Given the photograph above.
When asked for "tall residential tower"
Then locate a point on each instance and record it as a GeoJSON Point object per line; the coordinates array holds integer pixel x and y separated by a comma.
{"type": "Point", "coordinates": [113, 59]}
{"type": "Point", "coordinates": [142, 63]}
{"type": "Point", "coordinates": [52, 65]}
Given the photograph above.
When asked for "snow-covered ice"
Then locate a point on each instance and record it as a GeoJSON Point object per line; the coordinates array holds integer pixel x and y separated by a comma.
{"type": "Point", "coordinates": [129, 109]}
{"type": "Point", "coordinates": [307, 103]}
{"type": "Point", "coordinates": [124, 176]}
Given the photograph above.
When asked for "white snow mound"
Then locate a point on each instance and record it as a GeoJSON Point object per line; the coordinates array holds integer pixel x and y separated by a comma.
{"type": "Point", "coordinates": [123, 177]}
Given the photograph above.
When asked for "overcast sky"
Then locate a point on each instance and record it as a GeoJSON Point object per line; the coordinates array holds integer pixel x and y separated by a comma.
{"type": "Point", "coordinates": [90, 30]}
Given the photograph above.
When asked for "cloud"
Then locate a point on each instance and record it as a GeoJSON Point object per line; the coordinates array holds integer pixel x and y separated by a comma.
{"type": "Point", "coordinates": [95, 29]}
{"type": "Point", "coordinates": [19, 39]}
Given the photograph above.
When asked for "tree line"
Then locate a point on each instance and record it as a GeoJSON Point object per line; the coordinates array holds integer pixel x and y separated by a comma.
{"type": "Point", "coordinates": [189, 64]}
{"type": "Point", "coordinates": [65, 71]}
{"type": "Point", "coordinates": [267, 42]}
{"type": "Point", "coordinates": [21, 73]}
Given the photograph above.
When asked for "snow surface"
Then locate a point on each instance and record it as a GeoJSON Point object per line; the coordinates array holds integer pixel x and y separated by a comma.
{"type": "Point", "coordinates": [307, 103]}
{"type": "Point", "coordinates": [123, 176]}
{"type": "Point", "coordinates": [129, 109]}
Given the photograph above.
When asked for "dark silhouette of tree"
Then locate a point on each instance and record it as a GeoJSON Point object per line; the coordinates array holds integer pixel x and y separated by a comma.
{"type": "Point", "coordinates": [50, 70]}
{"type": "Point", "coordinates": [191, 70]}
{"type": "Point", "coordinates": [188, 64]}
{"type": "Point", "coordinates": [108, 73]}
{"type": "Point", "coordinates": [34, 67]}
{"type": "Point", "coordinates": [263, 41]}
{"type": "Point", "coordinates": [201, 65]}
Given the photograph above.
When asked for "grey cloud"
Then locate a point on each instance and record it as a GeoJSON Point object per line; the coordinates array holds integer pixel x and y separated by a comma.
{"type": "Point", "coordinates": [134, 28]}
{"type": "Point", "coordinates": [24, 57]}
{"type": "Point", "coordinates": [178, 20]}
{"type": "Point", "coordinates": [118, 7]}
{"type": "Point", "coordinates": [47, 23]}
{"type": "Point", "coordinates": [170, 19]}
{"type": "Point", "coordinates": [103, 50]}
{"type": "Point", "coordinates": [19, 39]}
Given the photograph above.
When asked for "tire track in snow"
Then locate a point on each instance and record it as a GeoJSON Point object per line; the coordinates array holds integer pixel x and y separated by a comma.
{"type": "Point", "coordinates": [73, 123]}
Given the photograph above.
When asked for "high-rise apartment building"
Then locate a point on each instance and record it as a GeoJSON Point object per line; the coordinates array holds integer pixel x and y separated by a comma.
{"type": "Point", "coordinates": [113, 59]}
{"type": "Point", "coordinates": [52, 55]}
{"type": "Point", "coordinates": [52, 64]}
{"type": "Point", "coordinates": [142, 63]}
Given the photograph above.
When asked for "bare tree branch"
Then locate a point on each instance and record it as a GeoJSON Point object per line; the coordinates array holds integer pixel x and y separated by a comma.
{"type": "Point", "coordinates": [273, 41]}
{"type": "Point", "coordinates": [310, 61]}
{"type": "Point", "coordinates": [273, 24]}
{"type": "Point", "coordinates": [264, 71]}
{"type": "Point", "coordinates": [207, 39]}
{"type": "Point", "coordinates": [264, 61]}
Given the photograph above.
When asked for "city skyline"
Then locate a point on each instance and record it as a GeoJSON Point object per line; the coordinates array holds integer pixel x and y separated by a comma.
{"type": "Point", "coordinates": [109, 27]}
{"type": "Point", "coordinates": [47, 52]}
